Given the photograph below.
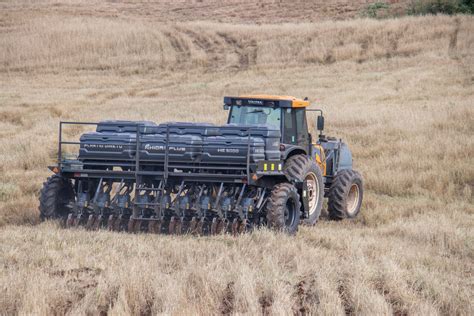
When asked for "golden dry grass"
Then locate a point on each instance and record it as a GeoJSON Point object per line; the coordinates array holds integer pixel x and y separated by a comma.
{"type": "Point", "coordinates": [399, 91]}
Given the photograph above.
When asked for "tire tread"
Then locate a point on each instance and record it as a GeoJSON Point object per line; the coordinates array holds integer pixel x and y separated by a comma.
{"type": "Point", "coordinates": [275, 207]}
{"type": "Point", "coordinates": [50, 196]}
{"type": "Point", "coordinates": [338, 193]}
{"type": "Point", "coordinates": [296, 168]}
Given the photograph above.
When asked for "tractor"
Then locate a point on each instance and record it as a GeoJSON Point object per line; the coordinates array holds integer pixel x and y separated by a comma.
{"type": "Point", "coordinates": [262, 168]}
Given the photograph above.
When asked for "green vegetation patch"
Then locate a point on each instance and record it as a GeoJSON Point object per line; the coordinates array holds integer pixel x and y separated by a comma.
{"type": "Point", "coordinates": [450, 7]}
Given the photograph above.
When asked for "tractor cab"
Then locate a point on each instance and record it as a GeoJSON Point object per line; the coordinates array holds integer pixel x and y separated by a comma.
{"type": "Point", "coordinates": [283, 112]}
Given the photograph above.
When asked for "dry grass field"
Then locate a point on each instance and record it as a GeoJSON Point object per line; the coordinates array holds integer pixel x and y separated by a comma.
{"type": "Point", "coordinates": [400, 91]}
{"type": "Point", "coordinates": [240, 11]}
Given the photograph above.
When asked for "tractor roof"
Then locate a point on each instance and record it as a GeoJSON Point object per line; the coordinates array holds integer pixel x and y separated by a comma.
{"type": "Point", "coordinates": [267, 100]}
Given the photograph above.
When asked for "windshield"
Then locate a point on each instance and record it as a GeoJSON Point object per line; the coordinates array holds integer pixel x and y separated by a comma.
{"type": "Point", "coordinates": [255, 115]}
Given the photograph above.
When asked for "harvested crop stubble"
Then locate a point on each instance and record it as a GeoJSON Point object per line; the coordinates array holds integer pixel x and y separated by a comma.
{"type": "Point", "coordinates": [399, 91]}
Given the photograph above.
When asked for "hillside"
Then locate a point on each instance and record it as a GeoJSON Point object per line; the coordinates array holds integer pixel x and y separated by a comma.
{"type": "Point", "coordinates": [399, 91]}
{"type": "Point", "coordinates": [226, 11]}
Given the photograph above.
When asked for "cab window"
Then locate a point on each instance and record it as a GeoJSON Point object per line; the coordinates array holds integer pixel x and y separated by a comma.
{"type": "Point", "coordinates": [289, 127]}
{"type": "Point", "coordinates": [302, 125]}
{"type": "Point", "coordinates": [255, 115]}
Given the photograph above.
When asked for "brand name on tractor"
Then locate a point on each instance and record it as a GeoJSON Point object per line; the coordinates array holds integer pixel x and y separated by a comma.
{"type": "Point", "coordinates": [102, 146]}
{"type": "Point", "coordinates": [162, 148]}
{"type": "Point", "coordinates": [255, 102]}
{"type": "Point", "coordinates": [152, 147]}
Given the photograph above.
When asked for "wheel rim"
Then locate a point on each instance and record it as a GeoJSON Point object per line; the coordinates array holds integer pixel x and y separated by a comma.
{"type": "Point", "coordinates": [290, 212]}
{"type": "Point", "coordinates": [353, 199]}
{"type": "Point", "coordinates": [312, 191]}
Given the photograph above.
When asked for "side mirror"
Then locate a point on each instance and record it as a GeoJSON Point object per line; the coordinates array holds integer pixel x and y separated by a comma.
{"type": "Point", "coordinates": [226, 107]}
{"type": "Point", "coordinates": [320, 123]}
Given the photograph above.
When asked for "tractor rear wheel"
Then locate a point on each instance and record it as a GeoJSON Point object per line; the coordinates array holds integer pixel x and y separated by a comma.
{"type": "Point", "coordinates": [55, 195]}
{"type": "Point", "coordinates": [345, 195]}
{"type": "Point", "coordinates": [303, 168]}
{"type": "Point", "coordinates": [283, 208]}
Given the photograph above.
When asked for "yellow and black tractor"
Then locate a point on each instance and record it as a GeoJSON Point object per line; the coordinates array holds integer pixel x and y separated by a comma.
{"type": "Point", "coordinates": [261, 168]}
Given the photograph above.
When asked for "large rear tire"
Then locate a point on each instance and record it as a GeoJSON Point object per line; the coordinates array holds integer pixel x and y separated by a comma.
{"type": "Point", "coordinates": [345, 195]}
{"type": "Point", "coordinates": [55, 195]}
{"type": "Point", "coordinates": [303, 168]}
{"type": "Point", "coordinates": [283, 208]}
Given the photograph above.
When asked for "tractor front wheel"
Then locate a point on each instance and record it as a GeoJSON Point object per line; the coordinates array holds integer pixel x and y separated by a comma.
{"type": "Point", "coordinates": [283, 208]}
{"type": "Point", "coordinates": [345, 195]}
